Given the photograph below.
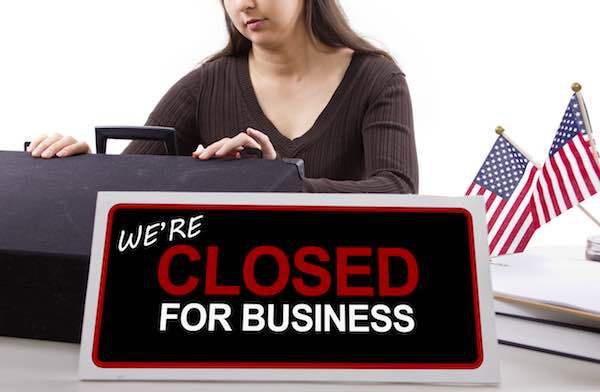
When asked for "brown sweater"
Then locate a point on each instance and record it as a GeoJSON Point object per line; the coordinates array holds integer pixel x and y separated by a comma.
{"type": "Point", "coordinates": [363, 141]}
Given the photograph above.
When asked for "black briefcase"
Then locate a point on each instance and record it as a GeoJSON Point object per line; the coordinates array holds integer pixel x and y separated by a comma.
{"type": "Point", "coordinates": [46, 220]}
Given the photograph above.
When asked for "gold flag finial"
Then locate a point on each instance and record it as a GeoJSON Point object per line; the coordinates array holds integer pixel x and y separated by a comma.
{"type": "Point", "coordinates": [499, 130]}
{"type": "Point", "coordinates": [576, 87]}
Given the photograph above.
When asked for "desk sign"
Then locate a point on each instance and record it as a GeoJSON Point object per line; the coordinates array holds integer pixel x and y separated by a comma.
{"type": "Point", "coordinates": [289, 287]}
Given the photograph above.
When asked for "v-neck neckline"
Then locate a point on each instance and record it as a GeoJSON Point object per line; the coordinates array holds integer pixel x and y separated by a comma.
{"type": "Point", "coordinates": [264, 124]}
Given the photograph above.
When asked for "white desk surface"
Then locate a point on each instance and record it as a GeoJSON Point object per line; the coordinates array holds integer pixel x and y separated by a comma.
{"type": "Point", "coordinates": [35, 365]}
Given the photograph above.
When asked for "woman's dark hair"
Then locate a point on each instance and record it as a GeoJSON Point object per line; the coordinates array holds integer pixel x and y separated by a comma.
{"type": "Point", "coordinates": [324, 20]}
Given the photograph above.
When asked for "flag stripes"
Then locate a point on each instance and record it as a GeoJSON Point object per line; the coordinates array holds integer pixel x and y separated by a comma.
{"type": "Point", "coordinates": [509, 220]}
{"type": "Point", "coordinates": [569, 176]}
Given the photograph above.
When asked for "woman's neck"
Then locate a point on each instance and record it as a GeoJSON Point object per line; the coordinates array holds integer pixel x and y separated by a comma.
{"type": "Point", "coordinates": [293, 59]}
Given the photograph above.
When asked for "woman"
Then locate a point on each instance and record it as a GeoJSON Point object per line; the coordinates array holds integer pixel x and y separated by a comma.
{"type": "Point", "coordinates": [295, 81]}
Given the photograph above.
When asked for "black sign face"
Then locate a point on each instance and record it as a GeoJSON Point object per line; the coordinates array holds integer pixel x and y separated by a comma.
{"type": "Point", "coordinates": [201, 286]}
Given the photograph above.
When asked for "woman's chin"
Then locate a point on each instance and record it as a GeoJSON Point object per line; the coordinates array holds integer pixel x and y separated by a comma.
{"type": "Point", "coordinates": [265, 41]}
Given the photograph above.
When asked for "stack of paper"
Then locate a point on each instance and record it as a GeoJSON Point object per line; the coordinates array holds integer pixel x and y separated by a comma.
{"type": "Point", "coordinates": [549, 300]}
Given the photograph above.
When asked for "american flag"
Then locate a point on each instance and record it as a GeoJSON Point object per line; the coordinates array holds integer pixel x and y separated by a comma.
{"type": "Point", "coordinates": [506, 181]}
{"type": "Point", "coordinates": [570, 174]}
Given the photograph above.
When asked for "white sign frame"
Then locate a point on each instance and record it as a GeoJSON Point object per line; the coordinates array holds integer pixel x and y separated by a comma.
{"type": "Point", "coordinates": [486, 373]}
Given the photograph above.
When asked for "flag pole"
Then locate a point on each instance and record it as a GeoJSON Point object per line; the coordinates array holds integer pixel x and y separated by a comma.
{"type": "Point", "coordinates": [576, 87]}
{"type": "Point", "coordinates": [500, 131]}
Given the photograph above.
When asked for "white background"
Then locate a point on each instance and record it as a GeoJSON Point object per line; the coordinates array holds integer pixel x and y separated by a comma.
{"type": "Point", "coordinates": [69, 65]}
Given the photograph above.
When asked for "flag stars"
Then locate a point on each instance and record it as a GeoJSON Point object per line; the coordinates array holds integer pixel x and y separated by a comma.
{"type": "Point", "coordinates": [502, 169]}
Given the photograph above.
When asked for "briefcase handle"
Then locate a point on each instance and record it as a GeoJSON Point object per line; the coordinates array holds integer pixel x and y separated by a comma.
{"type": "Point", "coordinates": [165, 134]}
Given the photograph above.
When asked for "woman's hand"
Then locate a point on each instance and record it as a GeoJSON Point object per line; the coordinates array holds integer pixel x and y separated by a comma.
{"type": "Point", "coordinates": [56, 145]}
{"type": "Point", "coordinates": [231, 147]}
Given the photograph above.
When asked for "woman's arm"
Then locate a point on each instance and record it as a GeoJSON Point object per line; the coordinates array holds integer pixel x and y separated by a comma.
{"type": "Point", "coordinates": [388, 144]}
{"type": "Point", "coordinates": [176, 109]}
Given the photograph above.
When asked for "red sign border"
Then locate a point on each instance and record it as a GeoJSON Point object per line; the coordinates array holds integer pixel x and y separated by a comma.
{"type": "Point", "coordinates": [286, 365]}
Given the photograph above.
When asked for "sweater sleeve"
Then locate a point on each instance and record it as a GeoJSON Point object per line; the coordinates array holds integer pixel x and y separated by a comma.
{"type": "Point", "coordinates": [177, 109]}
{"type": "Point", "coordinates": [388, 144]}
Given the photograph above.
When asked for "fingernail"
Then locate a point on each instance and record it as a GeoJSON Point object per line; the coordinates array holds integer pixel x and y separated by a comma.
{"type": "Point", "coordinates": [28, 148]}
{"type": "Point", "coordinates": [60, 154]}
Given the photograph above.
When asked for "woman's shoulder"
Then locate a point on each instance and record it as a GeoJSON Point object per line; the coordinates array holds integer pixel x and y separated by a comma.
{"type": "Point", "coordinates": [207, 71]}
{"type": "Point", "coordinates": [378, 72]}
{"type": "Point", "coordinates": [375, 64]}
{"type": "Point", "coordinates": [224, 64]}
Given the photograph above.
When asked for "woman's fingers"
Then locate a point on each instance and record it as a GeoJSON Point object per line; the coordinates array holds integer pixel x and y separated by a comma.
{"type": "Point", "coordinates": [55, 147]}
{"type": "Point", "coordinates": [232, 147]}
{"type": "Point", "coordinates": [74, 149]}
{"type": "Point", "coordinates": [209, 151]}
{"type": "Point", "coordinates": [198, 151]}
{"type": "Point", "coordinates": [265, 143]}
{"type": "Point", "coordinates": [237, 144]}
{"type": "Point", "coordinates": [37, 140]}
{"type": "Point", "coordinates": [45, 143]}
